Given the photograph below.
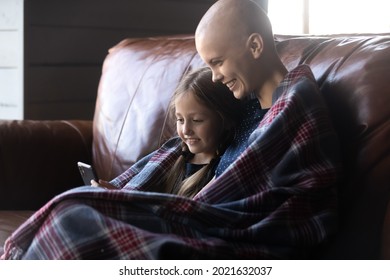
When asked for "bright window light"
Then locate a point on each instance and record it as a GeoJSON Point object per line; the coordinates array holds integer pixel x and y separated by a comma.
{"type": "Point", "coordinates": [329, 17]}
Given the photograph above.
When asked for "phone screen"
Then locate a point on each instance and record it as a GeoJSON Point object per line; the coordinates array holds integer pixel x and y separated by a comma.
{"type": "Point", "coordinates": [87, 173]}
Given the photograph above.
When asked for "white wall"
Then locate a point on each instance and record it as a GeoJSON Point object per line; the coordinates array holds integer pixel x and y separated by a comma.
{"type": "Point", "coordinates": [11, 59]}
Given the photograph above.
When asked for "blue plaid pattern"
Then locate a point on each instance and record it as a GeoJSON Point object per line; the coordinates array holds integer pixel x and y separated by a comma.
{"type": "Point", "coordinates": [278, 200]}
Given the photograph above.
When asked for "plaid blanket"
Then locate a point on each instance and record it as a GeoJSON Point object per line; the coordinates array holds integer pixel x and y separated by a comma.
{"type": "Point", "coordinates": [277, 200]}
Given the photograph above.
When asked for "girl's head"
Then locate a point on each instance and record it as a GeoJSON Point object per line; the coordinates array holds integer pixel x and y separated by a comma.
{"type": "Point", "coordinates": [206, 113]}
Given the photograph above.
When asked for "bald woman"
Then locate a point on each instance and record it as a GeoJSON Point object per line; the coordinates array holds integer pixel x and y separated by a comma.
{"type": "Point", "coordinates": [235, 39]}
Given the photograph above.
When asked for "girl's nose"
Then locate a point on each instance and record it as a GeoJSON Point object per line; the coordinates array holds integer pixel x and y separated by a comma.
{"type": "Point", "coordinates": [187, 130]}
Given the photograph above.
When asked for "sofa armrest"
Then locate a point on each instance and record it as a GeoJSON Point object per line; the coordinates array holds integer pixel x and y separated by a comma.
{"type": "Point", "coordinates": [38, 160]}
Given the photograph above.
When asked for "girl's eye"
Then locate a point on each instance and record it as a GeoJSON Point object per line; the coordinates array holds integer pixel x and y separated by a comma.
{"type": "Point", "coordinates": [197, 120]}
{"type": "Point", "coordinates": [179, 120]}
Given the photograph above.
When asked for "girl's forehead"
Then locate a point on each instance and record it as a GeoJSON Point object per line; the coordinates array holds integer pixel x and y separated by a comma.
{"type": "Point", "coordinates": [186, 97]}
{"type": "Point", "coordinates": [190, 104]}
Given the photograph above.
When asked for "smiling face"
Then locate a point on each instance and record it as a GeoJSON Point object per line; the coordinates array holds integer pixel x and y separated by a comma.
{"type": "Point", "coordinates": [230, 40]}
{"type": "Point", "coordinates": [198, 126]}
{"type": "Point", "coordinates": [232, 64]}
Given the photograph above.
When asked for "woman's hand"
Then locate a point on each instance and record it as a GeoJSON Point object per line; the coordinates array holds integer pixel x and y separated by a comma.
{"type": "Point", "coordinates": [103, 184]}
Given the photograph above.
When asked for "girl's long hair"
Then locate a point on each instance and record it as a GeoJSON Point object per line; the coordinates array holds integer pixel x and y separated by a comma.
{"type": "Point", "coordinates": [217, 97]}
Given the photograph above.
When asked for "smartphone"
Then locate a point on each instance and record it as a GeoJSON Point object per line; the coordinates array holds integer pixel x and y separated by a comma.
{"type": "Point", "coordinates": [87, 173]}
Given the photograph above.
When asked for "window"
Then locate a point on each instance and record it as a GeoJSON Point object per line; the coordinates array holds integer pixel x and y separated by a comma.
{"type": "Point", "coordinates": [329, 17]}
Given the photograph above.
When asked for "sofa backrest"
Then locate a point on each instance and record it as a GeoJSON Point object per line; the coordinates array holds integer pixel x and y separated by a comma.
{"type": "Point", "coordinates": [353, 72]}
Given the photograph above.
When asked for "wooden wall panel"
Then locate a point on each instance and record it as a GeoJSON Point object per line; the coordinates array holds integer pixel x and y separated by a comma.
{"type": "Point", "coordinates": [146, 15]}
{"type": "Point", "coordinates": [57, 110]}
{"type": "Point", "coordinates": [62, 92]}
{"type": "Point", "coordinates": [66, 42]}
{"type": "Point", "coordinates": [64, 45]}
{"type": "Point", "coordinates": [63, 83]}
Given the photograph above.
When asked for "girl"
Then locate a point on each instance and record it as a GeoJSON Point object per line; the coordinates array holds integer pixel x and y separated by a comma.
{"type": "Point", "coordinates": [206, 113]}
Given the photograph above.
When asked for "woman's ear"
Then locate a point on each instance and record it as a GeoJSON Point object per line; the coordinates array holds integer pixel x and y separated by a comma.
{"type": "Point", "coordinates": [255, 43]}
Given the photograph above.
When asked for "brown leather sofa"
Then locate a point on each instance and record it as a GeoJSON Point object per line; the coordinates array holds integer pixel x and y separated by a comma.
{"type": "Point", "coordinates": [38, 158]}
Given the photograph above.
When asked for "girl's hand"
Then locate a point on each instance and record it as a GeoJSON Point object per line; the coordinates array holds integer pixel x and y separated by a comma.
{"type": "Point", "coordinates": [103, 184]}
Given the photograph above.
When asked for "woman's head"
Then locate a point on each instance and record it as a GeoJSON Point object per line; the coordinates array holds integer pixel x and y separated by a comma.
{"type": "Point", "coordinates": [235, 39]}
{"type": "Point", "coordinates": [206, 113]}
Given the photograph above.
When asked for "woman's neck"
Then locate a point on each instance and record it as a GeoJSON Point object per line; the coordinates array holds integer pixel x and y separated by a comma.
{"type": "Point", "coordinates": [271, 83]}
